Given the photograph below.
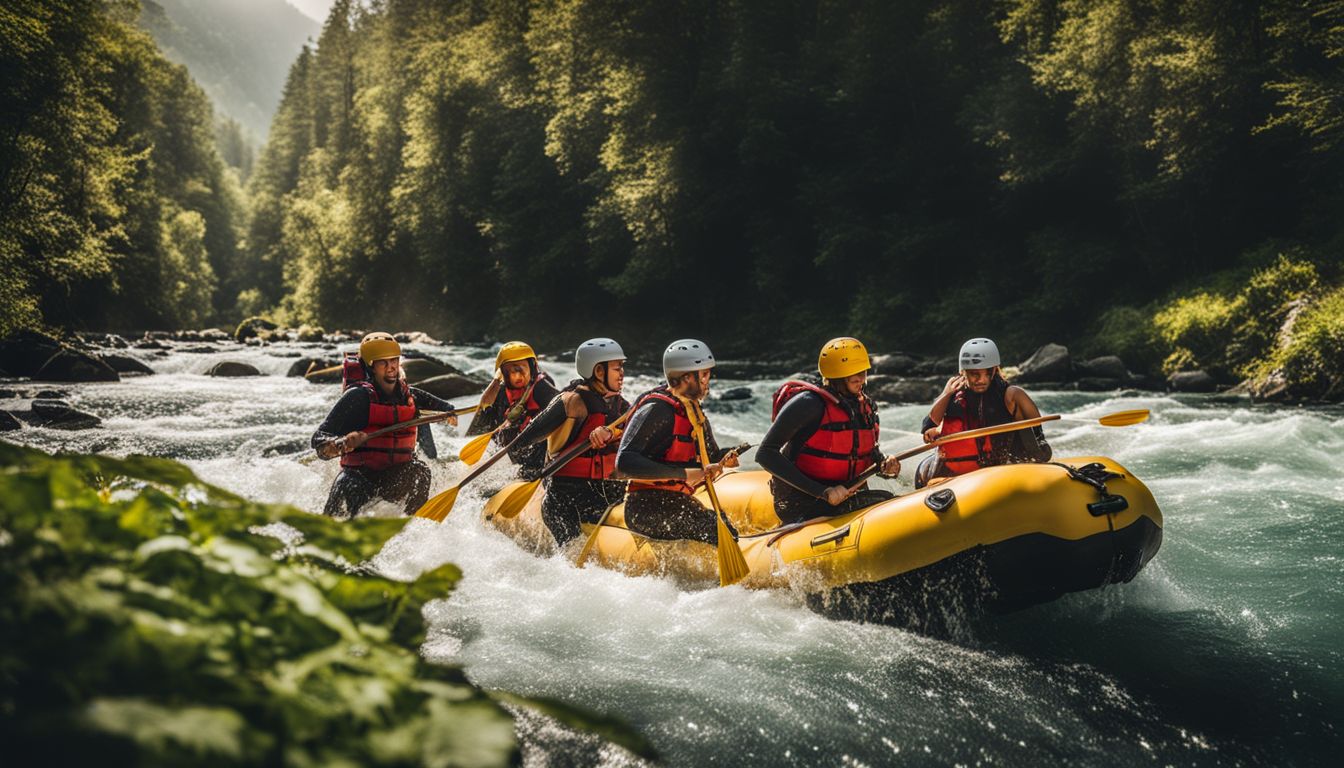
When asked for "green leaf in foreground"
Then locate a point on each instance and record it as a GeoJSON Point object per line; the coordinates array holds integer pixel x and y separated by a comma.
{"type": "Point", "coordinates": [159, 626]}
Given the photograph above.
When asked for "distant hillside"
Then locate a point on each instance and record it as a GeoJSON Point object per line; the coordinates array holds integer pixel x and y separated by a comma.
{"type": "Point", "coordinates": [239, 50]}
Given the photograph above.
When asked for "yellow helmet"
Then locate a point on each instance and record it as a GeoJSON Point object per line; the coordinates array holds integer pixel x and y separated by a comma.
{"type": "Point", "coordinates": [513, 352]}
{"type": "Point", "coordinates": [378, 346]}
{"type": "Point", "coordinates": [842, 357]}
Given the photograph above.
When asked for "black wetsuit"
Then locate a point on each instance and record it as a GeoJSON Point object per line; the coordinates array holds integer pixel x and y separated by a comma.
{"type": "Point", "coordinates": [570, 501]}
{"type": "Point", "coordinates": [662, 514]}
{"type": "Point", "coordinates": [797, 496]}
{"type": "Point", "coordinates": [529, 459]}
{"type": "Point", "coordinates": [356, 486]}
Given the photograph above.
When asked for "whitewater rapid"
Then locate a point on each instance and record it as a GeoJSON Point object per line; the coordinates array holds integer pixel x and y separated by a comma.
{"type": "Point", "coordinates": [1224, 650]}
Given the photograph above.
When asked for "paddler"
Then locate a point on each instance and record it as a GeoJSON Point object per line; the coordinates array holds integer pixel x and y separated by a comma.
{"type": "Point", "coordinates": [659, 454]}
{"type": "Point", "coordinates": [823, 437]}
{"type": "Point", "coordinates": [585, 487]}
{"type": "Point", "coordinates": [980, 397]}
{"type": "Point", "coordinates": [518, 393]}
{"type": "Point", "coordinates": [383, 466]}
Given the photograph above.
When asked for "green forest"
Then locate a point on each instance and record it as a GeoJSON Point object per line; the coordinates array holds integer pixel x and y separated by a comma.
{"type": "Point", "coordinates": [1153, 178]}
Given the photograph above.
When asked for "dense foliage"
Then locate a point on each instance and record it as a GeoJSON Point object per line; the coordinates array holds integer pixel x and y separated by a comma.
{"type": "Point", "coordinates": [150, 619]}
{"type": "Point", "coordinates": [909, 172]}
{"type": "Point", "coordinates": [115, 208]}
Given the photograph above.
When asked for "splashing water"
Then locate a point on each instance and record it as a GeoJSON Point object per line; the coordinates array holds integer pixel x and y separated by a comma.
{"type": "Point", "coordinates": [1224, 650]}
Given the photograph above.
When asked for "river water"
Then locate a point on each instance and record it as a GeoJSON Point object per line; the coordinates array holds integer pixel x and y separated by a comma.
{"type": "Point", "coordinates": [1225, 650]}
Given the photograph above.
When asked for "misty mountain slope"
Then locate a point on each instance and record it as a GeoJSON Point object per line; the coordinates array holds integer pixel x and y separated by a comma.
{"type": "Point", "coordinates": [238, 50]}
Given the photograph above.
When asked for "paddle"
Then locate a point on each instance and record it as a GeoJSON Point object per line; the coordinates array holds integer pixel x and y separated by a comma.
{"type": "Point", "coordinates": [475, 447]}
{"type": "Point", "coordinates": [732, 566]}
{"type": "Point", "coordinates": [438, 507]}
{"type": "Point", "coordinates": [592, 535]}
{"type": "Point", "coordinates": [427, 417]}
{"type": "Point", "coordinates": [518, 497]}
{"type": "Point", "coordinates": [1117, 419]}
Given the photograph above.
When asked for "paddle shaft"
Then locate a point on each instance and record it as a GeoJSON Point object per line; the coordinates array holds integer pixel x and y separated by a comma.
{"type": "Point", "coordinates": [425, 419]}
{"type": "Point", "coordinates": [488, 463]}
{"type": "Point", "coordinates": [968, 435]}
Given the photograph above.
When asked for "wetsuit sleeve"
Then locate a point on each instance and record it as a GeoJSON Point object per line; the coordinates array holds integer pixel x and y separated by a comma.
{"type": "Point", "coordinates": [648, 436]}
{"type": "Point", "coordinates": [926, 425]}
{"type": "Point", "coordinates": [544, 392]}
{"type": "Point", "coordinates": [551, 418]}
{"type": "Point", "coordinates": [350, 413]}
{"type": "Point", "coordinates": [1037, 448]}
{"type": "Point", "coordinates": [799, 418]}
{"type": "Point", "coordinates": [424, 401]}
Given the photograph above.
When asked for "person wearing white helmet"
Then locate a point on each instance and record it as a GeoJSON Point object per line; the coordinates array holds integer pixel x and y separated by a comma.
{"type": "Point", "coordinates": [376, 396]}
{"type": "Point", "coordinates": [980, 397]}
{"type": "Point", "coordinates": [659, 453]}
{"type": "Point", "coordinates": [823, 437]}
{"type": "Point", "coordinates": [582, 489]}
{"type": "Point", "coordinates": [515, 396]}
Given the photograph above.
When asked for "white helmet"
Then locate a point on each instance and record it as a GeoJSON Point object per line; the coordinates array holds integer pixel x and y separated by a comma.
{"type": "Point", "coordinates": [686, 355]}
{"type": "Point", "coordinates": [594, 351]}
{"type": "Point", "coordinates": [977, 354]}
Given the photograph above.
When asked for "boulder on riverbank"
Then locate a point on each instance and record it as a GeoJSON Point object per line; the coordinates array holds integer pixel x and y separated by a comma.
{"type": "Point", "coordinates": [252, 327]}
{"type": "Point", "coordinates": [1049, 363]}
{"type": "Point", "coordinates": [231, 368]}
{"type": "Point", "coordinates": [420, 369]}
{"type": "Point", "coordinates": [43, 358]}
{"type": "Point", "coordinates": [892, 389]}
{"type": "Point", "coordinates": [305, 365]}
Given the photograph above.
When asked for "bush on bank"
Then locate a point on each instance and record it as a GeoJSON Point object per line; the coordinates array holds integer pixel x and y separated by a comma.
{"type": "Point", "coordinates": [151, 619]}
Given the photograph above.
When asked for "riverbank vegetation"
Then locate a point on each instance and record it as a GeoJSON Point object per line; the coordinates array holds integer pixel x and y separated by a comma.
{"type": "Point", "coordinates": [152, 619]}
{"type": "Point", "coordinates": [913, 174]}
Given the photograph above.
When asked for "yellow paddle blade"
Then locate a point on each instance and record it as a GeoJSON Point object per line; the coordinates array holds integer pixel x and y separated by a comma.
{"type": "Point", "coordinates": [475, 448]}
{"type": "Point", "coordinates": [732, 565]}
{"type": "Point", "coordinates": [1124, 418]}
{"type": "Point", "coordinates": [588, 546]}
{"type": "Point", "coordinates": [439, 506]}
{"type": "Point", "coordinates": [517, 499]}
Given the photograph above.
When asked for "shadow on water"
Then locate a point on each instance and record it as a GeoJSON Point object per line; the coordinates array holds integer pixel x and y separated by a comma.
{"type": "Point", "coordinates": [1189, 670]}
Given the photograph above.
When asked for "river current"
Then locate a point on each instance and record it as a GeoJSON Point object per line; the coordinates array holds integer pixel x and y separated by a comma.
{"type": "Point", "coordinates": [1225, 650]}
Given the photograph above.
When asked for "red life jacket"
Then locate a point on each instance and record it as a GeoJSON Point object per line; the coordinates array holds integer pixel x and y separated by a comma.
{"type": "Point", "coordinates": [352, 371]}
{"type": "Point", "coordinates": [599, 463]}
{"type": "Point", "coordinates": [682, 452]}
{"type": "Point", "coordinates": [969, 411]}
{"type": "Point", "coordinates": [842, 446]}
{"type": "Point", "coordinates": [392, 448]}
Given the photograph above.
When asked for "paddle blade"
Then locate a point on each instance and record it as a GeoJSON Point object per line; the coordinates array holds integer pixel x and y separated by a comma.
{"type": "Point", "coordinates": [475, 448]}
{"type": "Point", "coordinates": [732, 565]}
{"type": "Point", "coordinates": [1124, 418]}
{"type": "Point", "coordinates": [517, 499]}
{"type": "Point", "coordinates": [439, 506]}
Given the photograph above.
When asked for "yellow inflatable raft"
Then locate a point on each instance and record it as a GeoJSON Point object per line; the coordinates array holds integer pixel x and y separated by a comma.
{"type": "Point", "coordinates": [1000, 538]}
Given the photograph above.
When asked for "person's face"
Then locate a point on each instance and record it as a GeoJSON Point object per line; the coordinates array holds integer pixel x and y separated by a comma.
{"type": "Point", "coordinates": [386, 373]}
{"type": "Point", "coordinates": [979, 380]}
{"type": "Point", "coordinates": [516, 374]}
{"type": "Point", "coordinates": [614, 376]}
{"type": "Point", "coordinates": [700, 384]}
{"type": "Point", "coordinates": [854, 384]}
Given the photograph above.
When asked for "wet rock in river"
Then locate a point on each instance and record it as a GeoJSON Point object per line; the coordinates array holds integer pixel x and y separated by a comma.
{"type": "Point", "coordinates": [306, 365]}
{"type": "Point", "coordinates": [1106, 367]}
{"type": "Point", "coordinates": [251, 327]}
{"type": "Point", "coordinates": [8, 423]}
{"type": "Point", "coordinates": [453, 385]}
{"type": "Point", "coordinates": [58, 414]}
{"type": "Point", "coordinates": [232, 368]}
{"type": "Point", "coordinates": [736, 393]}
{"type": "Point", "coordinates": [424, 368]}
{"type": "Point", "coordinates": [898, 390]}
{"type": "Point", "coordinates": [126, 364]}
{"type": "Point", "coordinates": [1191, 381]}
{"type": "Point", "coordinates": [41, 357]}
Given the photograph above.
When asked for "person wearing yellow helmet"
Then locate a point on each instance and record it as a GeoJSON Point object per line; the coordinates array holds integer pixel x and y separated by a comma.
{"type": "Point", "coordinates": [978, 397]}
{"type": "Point", "coordinates": [822, 437]}
{"type": "Point", "coordinates": [383, 466]}
{"type": "Point", "coordinates": [586, 486]}
{"type": "Point", "coordinates": [517, 394]}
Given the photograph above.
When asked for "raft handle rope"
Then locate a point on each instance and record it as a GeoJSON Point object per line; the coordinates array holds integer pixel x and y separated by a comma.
{"type": "Point", "coordinates": [1096, 474]}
